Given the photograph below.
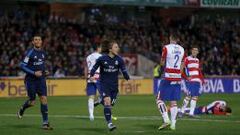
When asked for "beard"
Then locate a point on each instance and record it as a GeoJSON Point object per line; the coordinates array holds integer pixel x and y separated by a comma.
{"type": "Point", "coordinates": [38, 47]}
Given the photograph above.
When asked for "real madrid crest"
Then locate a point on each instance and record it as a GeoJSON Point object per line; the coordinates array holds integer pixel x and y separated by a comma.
{"type": "Point", "coordinates": [116, 62]}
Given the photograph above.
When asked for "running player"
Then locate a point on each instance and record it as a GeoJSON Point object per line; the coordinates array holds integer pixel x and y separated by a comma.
{"type": "Point", "coordinates": [109, 64]}
{"type": "Point", "coordinates": [35, 81]}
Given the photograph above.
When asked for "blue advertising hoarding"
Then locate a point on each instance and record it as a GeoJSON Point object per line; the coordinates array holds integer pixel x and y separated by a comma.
{"type": "Point", "coordinates": [213, 85]}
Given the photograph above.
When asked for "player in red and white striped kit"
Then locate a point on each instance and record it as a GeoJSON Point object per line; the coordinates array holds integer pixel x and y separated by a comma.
{"type": "Point", "coordinates": [218, 107]}
{"type": "Point", "coordinates": [194, 80]}
{"type": "Point", "coordinates": [170, 89]}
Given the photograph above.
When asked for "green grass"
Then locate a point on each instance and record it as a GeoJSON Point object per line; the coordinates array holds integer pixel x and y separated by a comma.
{"type": "Point", "coordinates": [137, 115]}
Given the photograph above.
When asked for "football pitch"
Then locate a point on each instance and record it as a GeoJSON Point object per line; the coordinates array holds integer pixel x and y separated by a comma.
{"type": "Point", "coordinates": [136, 115]}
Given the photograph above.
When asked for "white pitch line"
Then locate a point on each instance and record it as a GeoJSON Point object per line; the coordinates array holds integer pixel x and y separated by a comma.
{"type": "Point", "coordinates": [123, 117]}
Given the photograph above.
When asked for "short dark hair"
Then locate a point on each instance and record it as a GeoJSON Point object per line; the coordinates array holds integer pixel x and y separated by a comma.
{"type": "Point", "coordinates": [228, 110]}
{"type": "Point", "coordinates": [194, 46]}
{"type": "Point", "coordinates": [106, 45]}
{"type": "Point", "coordinates": [174, 36]}
{"type": "Point", "coordinates": [96, 46]}
{"type": "Point", "coordinates": [36, 35]}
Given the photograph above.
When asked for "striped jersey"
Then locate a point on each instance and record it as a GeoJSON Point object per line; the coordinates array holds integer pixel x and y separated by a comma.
{"type": "Point", "coordinates": [192, 69]}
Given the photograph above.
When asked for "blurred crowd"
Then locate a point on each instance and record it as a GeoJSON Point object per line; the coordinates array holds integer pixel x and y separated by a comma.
{"type": "Point", "coordinates": [67, 42]}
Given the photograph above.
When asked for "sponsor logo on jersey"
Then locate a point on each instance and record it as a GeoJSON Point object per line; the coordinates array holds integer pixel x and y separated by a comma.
{"type": "Point", "coordinates": [26, 59]}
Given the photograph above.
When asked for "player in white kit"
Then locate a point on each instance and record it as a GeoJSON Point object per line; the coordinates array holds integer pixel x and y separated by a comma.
{"type": "Point", "coordinates": [170, 89]}
{"type": "Point", "coordinates": [92, 85]}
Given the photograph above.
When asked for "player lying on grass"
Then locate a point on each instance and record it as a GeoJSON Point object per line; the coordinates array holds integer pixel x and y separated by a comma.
{"type": "Point", "coordinates": [218, 107]}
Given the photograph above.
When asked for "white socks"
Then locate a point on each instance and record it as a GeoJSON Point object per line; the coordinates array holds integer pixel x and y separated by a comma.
{"type": "Point", "coordinates": [174, 112]}
{"type": "Point", "coordinates": [163, 110]}
{"type": "Point", "coordinates": [185, 104]}
{"type": "Point", "coordinates": [192, 106]}
{"type": "Point", "coordinates": [91, 108]}
{"type": "Point", "coordinates": [165, 117]}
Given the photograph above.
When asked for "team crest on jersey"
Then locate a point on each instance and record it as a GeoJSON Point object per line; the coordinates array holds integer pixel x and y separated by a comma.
{"type": "Point", "coordinates": [42, 56]}
{"type": "Point", "coordinates": [35, 57]}
{"type": "Point", "coordinates": [26, 59]}
{"type": "Point", "coordinates": [105, 62]}
{"type": "Point", "coordinates": [116, 62]}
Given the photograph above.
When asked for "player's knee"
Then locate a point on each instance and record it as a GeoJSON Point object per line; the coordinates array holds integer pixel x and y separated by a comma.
{"type": "Point", "coordinates": [107, 101]}
{"type": "Point", "coordinates": [173, 103]}
{"type": "Point", "coordinates": [32, 102]}
{"type": "Point", "coordinates": [195, 98]}
{"type": "Point", "coordinates": [188, 98]}
{"type": "Point", "coordinates": [91, 97]}
{"type": "Point", "coordinates": [161, 106]}
{"type": "Point", "coordinates": [43, 99]}
{"type": "Point", "coordinates": [159, 101]}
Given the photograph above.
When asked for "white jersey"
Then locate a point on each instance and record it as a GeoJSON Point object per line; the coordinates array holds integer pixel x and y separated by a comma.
{"type": "Point", "coordinates": [218, 102]}
{"type": "Point", "coordinates": [91, 60]}
{"type": "Point", "coordinates": [173, 55]}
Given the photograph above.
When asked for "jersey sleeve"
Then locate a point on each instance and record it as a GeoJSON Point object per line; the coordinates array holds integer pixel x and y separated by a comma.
{"type": "Point", "coordinates": [88, 63]}
{"type": "Point", "coordinates": [184, 58]}
{"type": "Point", "coordinates": [211, 105]}
{"type": "Point", "coordinates": [95, 67]}
{"type": "Point", "coordinates": [25, 62]}
{"type": "Point", "coordinates": [164, 53]}
{"type": "Point", "coordinates": [123, 69]}
{"type": "Point", "coordinates": [185, 73]}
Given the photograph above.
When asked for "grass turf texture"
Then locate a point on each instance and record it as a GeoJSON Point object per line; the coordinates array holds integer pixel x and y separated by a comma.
{"type": "Point", "coordinates": [136, 115]}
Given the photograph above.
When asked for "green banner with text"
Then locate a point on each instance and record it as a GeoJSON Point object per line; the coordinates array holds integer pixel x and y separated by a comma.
{"type": "Point", "coordinates": [220, 3]}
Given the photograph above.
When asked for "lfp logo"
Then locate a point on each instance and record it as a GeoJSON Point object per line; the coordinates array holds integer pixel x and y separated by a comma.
{"type": "Point", "coordinates": [2, 86]}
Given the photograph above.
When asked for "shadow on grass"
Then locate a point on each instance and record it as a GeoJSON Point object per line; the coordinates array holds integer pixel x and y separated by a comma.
{"type": "Point", "coordinates": [148, 126]}
{"type": "Point", "coordinates": [93, 129]}
{"type": "Point", "coordinates": [21, 126]}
